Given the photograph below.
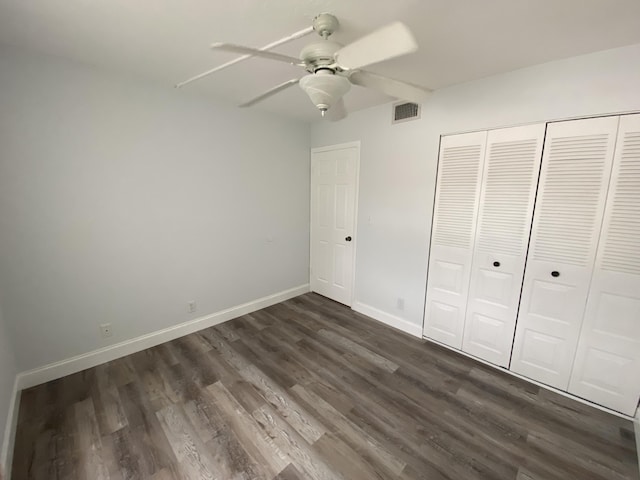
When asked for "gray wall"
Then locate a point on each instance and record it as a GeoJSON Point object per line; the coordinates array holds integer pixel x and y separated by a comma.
{"type": "Point", "coordinates": [398, 162]}
{"type": "Point", "coordinates": [7, 378]}
{"type": "Point", "coordinates": [121, 201]}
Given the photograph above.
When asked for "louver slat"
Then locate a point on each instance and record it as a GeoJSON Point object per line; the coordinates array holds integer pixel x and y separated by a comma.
{"type": "Point", "coordinates": [569, 200]}
{"type": "Point", "coordinates": [622, 237]}
{"type": "Point", "coordinates": [506, 220]}
{"type": "Point", "coordinates": [457, 196]}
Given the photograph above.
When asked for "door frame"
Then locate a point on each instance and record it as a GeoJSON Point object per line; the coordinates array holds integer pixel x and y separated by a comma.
{"type": "Point", "coordinates": [329, 148]}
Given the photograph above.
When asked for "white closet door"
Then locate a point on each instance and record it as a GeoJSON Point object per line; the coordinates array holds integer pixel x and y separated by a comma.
{"type": "Point", "coordinates": [454, 223]}
{"type": "Point", "coordinates": [607, 365]}
{"type": "Point", "coordinates": [576, 166]}
{"type": "Point", "coordinates": [510, 178]}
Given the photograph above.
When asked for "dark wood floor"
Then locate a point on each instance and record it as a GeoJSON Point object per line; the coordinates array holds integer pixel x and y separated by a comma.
{"type": "Point", "coordinates": [310, 389]}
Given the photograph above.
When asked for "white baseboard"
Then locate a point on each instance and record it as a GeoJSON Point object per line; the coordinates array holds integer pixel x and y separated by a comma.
{"type": "Point", "coordinates": [6, 454]}
{"type": "Point", "coordinates": [530, 380]}
{"type": "Point", "coordinates": [91, 359]}
{"type": "Point", "coordinates": [388, 319]}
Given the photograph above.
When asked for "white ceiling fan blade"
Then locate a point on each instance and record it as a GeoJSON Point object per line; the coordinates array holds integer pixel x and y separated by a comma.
{"type": "Point", "coordinates": [336, 112]}
{"type": "Point", "coordinates": [230, 47]}
{"type": "Point", "coordinates": [268, 46]}
{"type": "Point", "coordinates": [385, 43]}
{"type": "Point", "coordinates": [273, 91]}
{"type": "Point", "coordinates": [389, 86]}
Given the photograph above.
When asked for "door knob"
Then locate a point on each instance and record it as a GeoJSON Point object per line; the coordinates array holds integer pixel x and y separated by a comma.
{"type": "Point", "coordinates": [555, 273]}
{"type": "Point", "coordinates": [496, 264]}
{"type": "Point", "coordinates": [348, 239]}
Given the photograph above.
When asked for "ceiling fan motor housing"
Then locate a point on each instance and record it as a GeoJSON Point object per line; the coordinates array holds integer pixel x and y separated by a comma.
{"type": "Point", "coordinates": [319, 55]}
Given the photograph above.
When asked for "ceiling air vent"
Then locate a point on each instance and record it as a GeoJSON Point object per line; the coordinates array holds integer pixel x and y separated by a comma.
{"type": "Point", "coordinates": [405, 111]}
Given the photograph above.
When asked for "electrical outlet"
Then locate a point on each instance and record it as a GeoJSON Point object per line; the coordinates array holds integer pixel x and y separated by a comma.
{"type": "Point", "coordinates": [400, 303]}
{"type": "Point", "coordinates": [106, 330]}
{"type": "Point", "coordinates": [191, 306]}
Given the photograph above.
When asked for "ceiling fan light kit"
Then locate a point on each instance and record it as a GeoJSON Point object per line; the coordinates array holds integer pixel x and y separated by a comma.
{"type": "Point", "coordinates": [332, 68]}
{"type": "Point", "coordinates": [324, 89]}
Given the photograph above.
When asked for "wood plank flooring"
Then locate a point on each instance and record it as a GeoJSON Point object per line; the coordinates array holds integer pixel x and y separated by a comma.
{"type": "Point", "coordinates": [310, 389]}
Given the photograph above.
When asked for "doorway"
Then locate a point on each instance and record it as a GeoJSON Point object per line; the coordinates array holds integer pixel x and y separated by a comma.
{"type": "Point", "coordinates": [334, 192]}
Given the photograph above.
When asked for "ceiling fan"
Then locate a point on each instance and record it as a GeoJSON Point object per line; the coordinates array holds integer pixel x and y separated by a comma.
{"type": "Point", "coordinates": [332, 68]}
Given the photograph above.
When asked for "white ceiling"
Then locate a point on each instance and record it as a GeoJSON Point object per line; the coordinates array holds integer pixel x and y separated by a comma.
{"type": "Point", "coordinates": [460, 40]}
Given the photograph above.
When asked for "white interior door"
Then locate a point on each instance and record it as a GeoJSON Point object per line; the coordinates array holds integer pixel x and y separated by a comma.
{"type": "Point", "coordinates": [576, 167]}
{"type": "Point", "coordinates": [334, 178]}
{"type": "Point", "coordinates": [454, 224]}
{"type": "Point", "coordinates": [512, 165]}
{"type": "Point", "coordinates": [607, 365]}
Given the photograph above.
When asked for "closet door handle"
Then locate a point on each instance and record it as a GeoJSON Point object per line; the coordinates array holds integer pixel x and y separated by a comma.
{"type": "Point", "coordinates": [496, 264]}
{"type": "Point", "coordinates": [348, 239]}
{"type": "Point", "coordinates": [555, 273]}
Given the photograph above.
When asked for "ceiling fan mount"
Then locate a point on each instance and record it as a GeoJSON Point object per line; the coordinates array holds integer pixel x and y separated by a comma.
{"type": "Point", "coordinates": [333, 68]}
{"type": "Point", "coordinates": [325, 24]}
{"type": "Point", "coordinates": [320, 55]}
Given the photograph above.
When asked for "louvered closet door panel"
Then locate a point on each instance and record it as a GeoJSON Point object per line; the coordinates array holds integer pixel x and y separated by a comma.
{"type": "Point", "coordinates": [576, 166]}
{"type": "Point", "coordinates": [454, 222]}
{"type": "Point", "coordinates": [512, 165]}
{"type": "Point", "coordinates": [607, 365]}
